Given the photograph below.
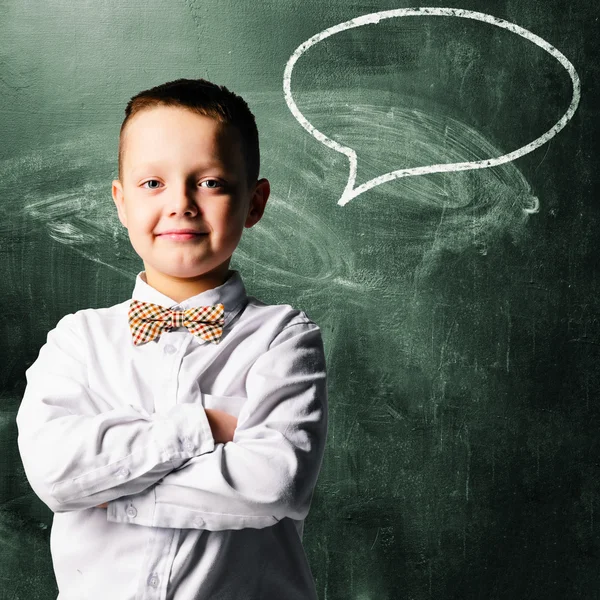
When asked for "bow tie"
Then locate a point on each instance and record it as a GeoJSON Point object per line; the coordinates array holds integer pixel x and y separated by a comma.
{"type": "Point", "coordinates": [148, 320]}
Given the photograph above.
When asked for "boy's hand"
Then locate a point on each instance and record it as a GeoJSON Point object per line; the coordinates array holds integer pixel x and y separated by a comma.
{"type": "Point", "coordinates": [222, 425]}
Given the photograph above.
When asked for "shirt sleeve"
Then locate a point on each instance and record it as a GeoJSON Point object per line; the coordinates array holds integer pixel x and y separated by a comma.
{"type": "Point", "coordinates": [77, 454]}
{"type": "Point", "coordinates": [270, 469]}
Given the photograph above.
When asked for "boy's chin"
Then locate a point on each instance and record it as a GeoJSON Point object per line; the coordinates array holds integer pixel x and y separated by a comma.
{"type": "Point", "coordinates": [189, 272]}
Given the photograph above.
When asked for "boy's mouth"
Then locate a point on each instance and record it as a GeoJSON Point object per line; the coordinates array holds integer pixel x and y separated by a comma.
{"type": "Point", "coordinates": [183, 235]}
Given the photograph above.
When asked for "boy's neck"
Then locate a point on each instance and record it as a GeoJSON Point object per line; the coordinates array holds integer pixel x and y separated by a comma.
{"type": "Point", "coordinates": [180, 289]}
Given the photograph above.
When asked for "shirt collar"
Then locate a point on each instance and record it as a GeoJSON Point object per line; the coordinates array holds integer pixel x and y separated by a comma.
{"type": "Point", "coordinates": [231, 293]}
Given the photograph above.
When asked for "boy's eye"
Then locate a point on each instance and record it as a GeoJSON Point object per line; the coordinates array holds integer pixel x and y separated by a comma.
{"type": "Point", "coordinates": [151, 181]}
{"type": "Point", "coordinates": [215, 183]}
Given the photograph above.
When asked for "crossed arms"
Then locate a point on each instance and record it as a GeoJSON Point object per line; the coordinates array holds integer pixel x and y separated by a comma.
{"type": "Point", "coordinates": [79, 452]}
{"type": "Point", "coordinates": [222, 426]}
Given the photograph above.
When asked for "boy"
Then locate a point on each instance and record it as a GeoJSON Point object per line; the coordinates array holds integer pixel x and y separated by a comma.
{"type": "Point", "coordinates": [178, 436]}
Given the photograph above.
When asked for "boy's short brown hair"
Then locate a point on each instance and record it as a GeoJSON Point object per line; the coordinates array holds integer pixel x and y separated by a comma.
{"type": "Point", "coordinates": [208, 99]}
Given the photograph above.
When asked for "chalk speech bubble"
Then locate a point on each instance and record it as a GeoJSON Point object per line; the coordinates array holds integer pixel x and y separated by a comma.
{"type": "Point", "coordinates": [350, 191]}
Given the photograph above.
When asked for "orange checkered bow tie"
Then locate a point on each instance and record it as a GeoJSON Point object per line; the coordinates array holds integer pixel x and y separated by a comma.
{"type": "Point", "coordinates": [148, 320]}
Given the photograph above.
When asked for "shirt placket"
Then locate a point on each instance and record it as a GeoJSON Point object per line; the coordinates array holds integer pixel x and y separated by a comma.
{"type": "Point", "coordinates": [160, 553]}
{"type": "Point", "coordinates": [172, 346]}
{"type": "Point", "coordinates": [162, 542]}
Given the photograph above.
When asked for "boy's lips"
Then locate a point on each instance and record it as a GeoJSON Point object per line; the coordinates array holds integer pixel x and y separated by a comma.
{"type": "Point", "coordinates": [182, 234]}
{"type": "Point", "coordinates": [195, 231]}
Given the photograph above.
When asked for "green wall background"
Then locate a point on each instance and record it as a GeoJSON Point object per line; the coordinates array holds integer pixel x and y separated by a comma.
{"type": "Point", "coordinates": [461, 330]}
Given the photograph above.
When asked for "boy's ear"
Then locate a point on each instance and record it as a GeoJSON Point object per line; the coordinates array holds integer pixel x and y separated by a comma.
{"type": "Point", "coordinates": [258, 201]}
{"type": "Point", "coordinates": [119, 199]}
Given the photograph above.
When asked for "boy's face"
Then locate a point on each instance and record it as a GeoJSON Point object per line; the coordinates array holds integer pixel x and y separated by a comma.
{"type": "Point", "coordinates": [182, 170]}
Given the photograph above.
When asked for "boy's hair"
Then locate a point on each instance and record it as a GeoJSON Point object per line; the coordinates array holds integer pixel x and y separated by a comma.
{"type": "Point", "coordinates": [208, 99]}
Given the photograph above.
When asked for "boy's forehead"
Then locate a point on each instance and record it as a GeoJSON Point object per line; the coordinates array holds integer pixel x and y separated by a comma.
{"type": "Point", "coordinates": [167, 122]}
{"type": "Point", "coordinates": [150, 135]}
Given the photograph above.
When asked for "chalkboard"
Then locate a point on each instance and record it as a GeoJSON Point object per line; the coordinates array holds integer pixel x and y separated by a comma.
{"type": "Point", "coordinates": [458, 308]}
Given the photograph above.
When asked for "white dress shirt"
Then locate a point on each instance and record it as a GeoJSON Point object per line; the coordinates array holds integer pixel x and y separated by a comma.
{"type": "Point", "coordinates": [103, 420]}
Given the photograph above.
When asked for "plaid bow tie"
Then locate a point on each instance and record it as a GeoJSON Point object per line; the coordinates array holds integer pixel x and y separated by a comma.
{"type": "Point", "coordinates": [148, 320]}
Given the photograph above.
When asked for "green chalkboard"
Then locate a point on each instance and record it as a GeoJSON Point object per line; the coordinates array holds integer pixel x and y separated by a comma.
{"type": "Point", "coordinates": [459, 309]}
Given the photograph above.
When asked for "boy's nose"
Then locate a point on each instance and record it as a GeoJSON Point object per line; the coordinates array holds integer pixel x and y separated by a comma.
{"type": "Point", "coordinates": [183, 199]}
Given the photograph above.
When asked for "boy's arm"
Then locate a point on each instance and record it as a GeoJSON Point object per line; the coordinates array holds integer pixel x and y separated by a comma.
{"type": "Point", "coordinates": [270, 469]}
{"type": "Point", "coordinates": [78, 451]}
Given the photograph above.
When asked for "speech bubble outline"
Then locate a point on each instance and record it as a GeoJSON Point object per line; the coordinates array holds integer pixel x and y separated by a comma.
{"type": "Point", "coordinates": [350, 191]}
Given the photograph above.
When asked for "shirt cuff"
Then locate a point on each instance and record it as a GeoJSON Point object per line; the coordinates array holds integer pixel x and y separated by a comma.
{"type": "Point", "coordinates": [137, 509]}
{"type": "Point", "coordinates": [183, 432]}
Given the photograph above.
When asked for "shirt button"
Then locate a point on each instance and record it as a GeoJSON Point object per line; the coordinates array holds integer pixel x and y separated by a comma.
{"type": "Point", "coordinates": [169, 349]}
{"type": "Point", "coordinates": [189, 445]}
{"type": "Point", "coordinates": [123, 472]}
{"type": "Point", "coordinates": [199, 521]}
{"type": "Point", "coordinates": [131, 511]}
{"type": "Point", "coordinates": [153, 580]}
